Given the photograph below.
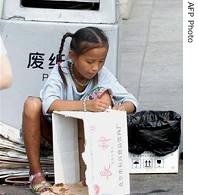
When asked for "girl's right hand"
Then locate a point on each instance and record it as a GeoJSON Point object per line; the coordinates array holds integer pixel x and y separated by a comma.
{"type": "Point", "coordinates": [100, 104]}
{"type": "Point", "coordinates": [97, 105]}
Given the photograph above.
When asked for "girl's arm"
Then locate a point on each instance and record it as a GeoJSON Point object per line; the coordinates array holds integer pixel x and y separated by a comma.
{"type": "Point", "coordinates": [126, 106]}
{"type": "Point", "coordinates": [97, 105]}
{"type": "Point", "coordinates": [63, 105]}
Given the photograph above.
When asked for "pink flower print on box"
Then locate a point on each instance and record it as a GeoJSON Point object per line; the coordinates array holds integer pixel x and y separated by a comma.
{"type": "Point", "coordinates": [106, 172]}
{"type": "Point", "coordinates": [96, 189]}
{"type": "Point", "coordinates": [104, 142]}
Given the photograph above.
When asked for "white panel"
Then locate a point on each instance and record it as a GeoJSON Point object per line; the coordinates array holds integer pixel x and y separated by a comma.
{"type": "Point", "coordinates": [107, 13]}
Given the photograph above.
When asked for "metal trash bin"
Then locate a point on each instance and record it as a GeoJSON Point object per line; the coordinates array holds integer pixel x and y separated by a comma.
{"type": "Point", "coordinates": [32, 33]}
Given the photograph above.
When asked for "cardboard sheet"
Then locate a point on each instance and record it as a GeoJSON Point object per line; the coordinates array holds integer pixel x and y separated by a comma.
{"type": "Point", "coordinates": [105, 155]}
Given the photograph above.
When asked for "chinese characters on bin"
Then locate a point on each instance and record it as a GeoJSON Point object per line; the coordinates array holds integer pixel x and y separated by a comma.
{"type": "Point", "coordinates": [37, 60]}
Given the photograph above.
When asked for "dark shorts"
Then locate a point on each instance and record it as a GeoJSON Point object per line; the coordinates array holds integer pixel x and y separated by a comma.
{"type": "Point", "coordinates": [46, 148]}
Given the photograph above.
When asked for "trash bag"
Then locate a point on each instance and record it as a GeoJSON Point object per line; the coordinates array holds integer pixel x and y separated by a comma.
{"type": "Point", "coordinates": [155, 131]}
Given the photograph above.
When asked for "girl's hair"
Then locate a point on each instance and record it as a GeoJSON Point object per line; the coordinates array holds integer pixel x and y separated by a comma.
{"type": "Point", "coordinates": [82, 41]}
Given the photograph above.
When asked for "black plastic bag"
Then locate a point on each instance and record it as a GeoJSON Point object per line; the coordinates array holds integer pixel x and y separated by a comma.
{"type": "Point", "coordinates": [155, 131]}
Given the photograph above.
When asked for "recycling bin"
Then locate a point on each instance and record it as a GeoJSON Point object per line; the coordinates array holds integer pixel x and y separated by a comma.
{"type": "Point", "coordinates": [32, 31]}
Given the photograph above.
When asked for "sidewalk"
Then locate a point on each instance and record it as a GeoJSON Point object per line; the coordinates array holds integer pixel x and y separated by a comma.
{"type": "Point", "coordinates": [152, 54]}
{"type": "Point", "coordinates": [151, 68]}
{"type": "Point", "coordinates": [141, 184]}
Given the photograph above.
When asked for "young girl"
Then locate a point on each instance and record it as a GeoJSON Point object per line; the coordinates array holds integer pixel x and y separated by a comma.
{"type": "Point", "coordinates": [80, 84]}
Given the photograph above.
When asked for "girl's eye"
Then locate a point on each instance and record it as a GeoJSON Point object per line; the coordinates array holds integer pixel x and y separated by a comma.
{"type": "Point", "coordinates": [90, 62]}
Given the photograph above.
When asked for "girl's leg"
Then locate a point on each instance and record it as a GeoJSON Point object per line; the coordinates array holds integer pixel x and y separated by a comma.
{"type": "Point", "coordinates": [33, 122]}
{"type": "Point", "coordinates": [81, 148]}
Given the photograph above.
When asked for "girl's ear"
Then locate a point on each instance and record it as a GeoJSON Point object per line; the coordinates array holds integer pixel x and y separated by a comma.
{"type": "Point", "coordinates": [72, 55]}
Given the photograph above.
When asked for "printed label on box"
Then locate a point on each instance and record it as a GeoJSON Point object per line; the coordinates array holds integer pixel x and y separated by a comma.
{"type": "Point", "coordinates": [147, 162]}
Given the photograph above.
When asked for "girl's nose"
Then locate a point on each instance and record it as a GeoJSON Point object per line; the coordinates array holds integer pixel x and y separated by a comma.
{"type": "Point", "coordinates": [95, 66]}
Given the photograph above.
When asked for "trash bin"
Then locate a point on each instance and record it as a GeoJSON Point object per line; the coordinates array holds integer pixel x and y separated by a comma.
{"type": "Point", "coordinates": [32, 31]}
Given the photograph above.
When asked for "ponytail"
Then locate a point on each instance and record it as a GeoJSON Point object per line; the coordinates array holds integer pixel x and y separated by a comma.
{"type": "Point", "coordinates": [59, 57]}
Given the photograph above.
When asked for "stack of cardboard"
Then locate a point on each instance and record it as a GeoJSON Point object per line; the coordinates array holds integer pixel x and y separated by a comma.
{"type": "Point", "coordinates": [13, 158]}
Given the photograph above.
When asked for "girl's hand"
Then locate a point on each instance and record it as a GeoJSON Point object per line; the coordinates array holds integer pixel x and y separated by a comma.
{"type": "Point", "coordinates": [125, 106]}
{"type": "Point", "coordinates": [97, 105]}
{"type": "Point", "coordinates": [119, 106]}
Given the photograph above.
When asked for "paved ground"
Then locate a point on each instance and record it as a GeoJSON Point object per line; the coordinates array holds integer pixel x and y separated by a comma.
{"type": "Point", "coordinates": [152, 63]}
{"type": "Point", "coordinates": [141, 184]}
{"type": "Point", "coordinates": [151, 68]}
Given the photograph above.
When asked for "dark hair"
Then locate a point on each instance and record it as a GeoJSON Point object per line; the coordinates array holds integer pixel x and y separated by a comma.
{"type": "Point", "coordinates": [82, 41]}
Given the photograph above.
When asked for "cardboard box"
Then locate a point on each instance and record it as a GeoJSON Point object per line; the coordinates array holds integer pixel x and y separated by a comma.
{"type": "Point", "coordinates": [105, 155]}
{"type": "Point", "coordinates": [148, 162]}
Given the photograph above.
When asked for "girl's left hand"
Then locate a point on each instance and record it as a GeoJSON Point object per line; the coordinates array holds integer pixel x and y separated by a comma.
{"type": "Point", "coordinates": [119, 106]}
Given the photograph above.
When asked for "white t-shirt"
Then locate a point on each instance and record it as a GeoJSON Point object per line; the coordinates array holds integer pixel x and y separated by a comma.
{"type": "Point", "coordinates": [2, 47]}
{"type": "Point", "coordinates": [54, 88]}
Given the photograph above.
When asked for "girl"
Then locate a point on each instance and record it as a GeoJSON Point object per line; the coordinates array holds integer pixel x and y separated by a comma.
{"type": "Point", "coordinates": [80, 84]}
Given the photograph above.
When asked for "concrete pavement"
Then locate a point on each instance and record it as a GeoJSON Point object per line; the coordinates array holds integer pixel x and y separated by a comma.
{"type": "Point", "coordinates": [140, 184]}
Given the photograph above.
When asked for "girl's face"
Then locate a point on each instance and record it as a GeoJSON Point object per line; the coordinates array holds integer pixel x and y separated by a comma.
{"type": "Point", "coordinates": [88, 64]}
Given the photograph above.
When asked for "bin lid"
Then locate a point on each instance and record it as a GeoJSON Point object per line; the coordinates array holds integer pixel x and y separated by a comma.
{"type": "Point", "coordinates": [75, 11]}
{"type": "Point", "coordinates": [92, 1]}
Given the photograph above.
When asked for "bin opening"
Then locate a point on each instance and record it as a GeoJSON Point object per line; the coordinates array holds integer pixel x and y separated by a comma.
{"type": "Point", "coordinates": [64, 4]}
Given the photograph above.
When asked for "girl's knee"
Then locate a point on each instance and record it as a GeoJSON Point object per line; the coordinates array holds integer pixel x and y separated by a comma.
{"type": "Point", "coordinates": [32, 105]}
